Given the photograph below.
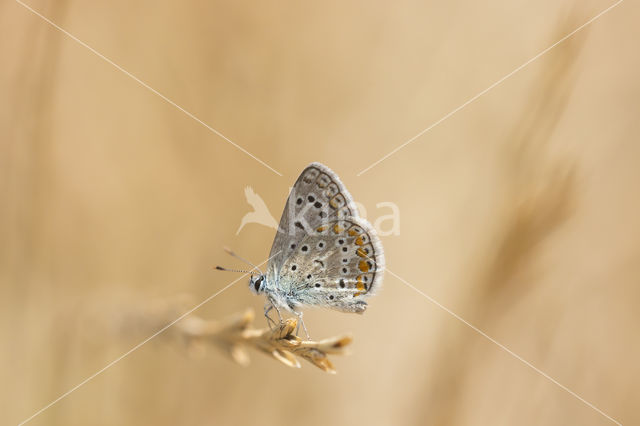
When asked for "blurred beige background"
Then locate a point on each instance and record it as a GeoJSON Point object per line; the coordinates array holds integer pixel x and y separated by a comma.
{"type": "Point", "coordinates": [520, 213]}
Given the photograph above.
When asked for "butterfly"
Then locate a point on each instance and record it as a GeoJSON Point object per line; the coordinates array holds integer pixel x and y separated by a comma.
{"type": "Point", "coordinates": [323, 255]}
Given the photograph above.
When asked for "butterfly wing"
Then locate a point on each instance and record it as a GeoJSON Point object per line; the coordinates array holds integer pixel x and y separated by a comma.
{"type": "Point", "coordinates": [336, 266]}
{"type": "Point", "coordinates": [317, 197]}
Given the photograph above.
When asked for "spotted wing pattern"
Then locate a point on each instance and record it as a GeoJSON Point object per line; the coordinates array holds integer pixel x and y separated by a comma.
{"type": "Point", "coordinates": [317, 197]}
{"type": "Point", "coordinates": [337, 266]}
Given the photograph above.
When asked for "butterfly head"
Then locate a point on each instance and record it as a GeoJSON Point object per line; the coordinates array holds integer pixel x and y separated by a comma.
{"type": "Point", "coordinates": [257, 284]}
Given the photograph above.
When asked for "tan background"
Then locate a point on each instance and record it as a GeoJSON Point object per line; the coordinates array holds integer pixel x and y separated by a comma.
{"type": "Point", "coordinates": [520, 213]}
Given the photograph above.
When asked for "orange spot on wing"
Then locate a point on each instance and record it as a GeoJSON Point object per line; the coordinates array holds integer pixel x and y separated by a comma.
{"type": "Point", "coordinates": [337, 229]}
{"type": "Point", "coordinates": [353, 232]}
{"type": "Point", "coordinates": [363, 266]}
{"type": "Point", "coordinates": [359, 241]}
{"type": "Point", "coordinates": [322, 228]}
{"type": "Point", "coordinates": [360, 252]}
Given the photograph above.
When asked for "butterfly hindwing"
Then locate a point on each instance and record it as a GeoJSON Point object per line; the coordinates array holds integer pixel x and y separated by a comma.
{"type": "Point", "coordinates": [337, 265]}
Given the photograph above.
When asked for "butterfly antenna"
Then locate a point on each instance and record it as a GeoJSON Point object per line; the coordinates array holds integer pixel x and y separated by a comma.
{"type": "Point", "coordinates": [220, 268]}
{"type": "Point", "coordinates": [232, 253]}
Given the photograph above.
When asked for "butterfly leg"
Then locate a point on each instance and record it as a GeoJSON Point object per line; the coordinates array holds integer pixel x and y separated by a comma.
{"type": "Point", "coordinates": [279, 314]}
{"type": "Point", "coordinates": [304, 327]}
{"type": "Point", "coordinates": [273, 304]}
{"type": "Point", "coordinates": [267, 308]}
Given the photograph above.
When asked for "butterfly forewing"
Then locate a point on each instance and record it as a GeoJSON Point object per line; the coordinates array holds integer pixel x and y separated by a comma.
{"type": "Point", "coordinates": [317, 197]}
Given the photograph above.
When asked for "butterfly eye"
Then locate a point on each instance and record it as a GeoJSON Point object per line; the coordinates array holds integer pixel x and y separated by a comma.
{"type": "Point", "coordinates": [258, 284]}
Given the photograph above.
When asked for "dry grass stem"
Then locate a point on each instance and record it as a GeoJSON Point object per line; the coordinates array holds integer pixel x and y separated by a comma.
{"type": "Point", "coordinates": [235, 334]}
